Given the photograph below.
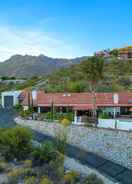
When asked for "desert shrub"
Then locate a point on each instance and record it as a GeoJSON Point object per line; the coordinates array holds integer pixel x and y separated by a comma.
{"type": "Point", "coordinates": [93, 179]}
{"type": "Point", "coordinates": [30, 180]}
{"type": "Point", "coordinates": [3, 166]}
{"type": "Point", "coordinates": [44, 153]}
{"type": "Point", "coordinates": [57, 166]}
{"type": "Point", "coordinates": [18, 108]}
{"type": "Point", "coordinates": [68, 115]}
{"type": "Point", "coordinates": [45, 180]}
{"type": "Point", "coordinates": [65, 122]}
{"type": "Point", "coordinates": [27, 163]}
{"type": "Point", "coordinates": [15, 143]}
{"type": "Point", "coordinates": [71, 177]}
{"type": "Point", "coordinates": [25, 114]}
{"type": "Point", "coordinates": [16, 172]}
{"type": "Point", "coordinates": [19, 173]}
{"type": "Point", "coordinates": [48, 116]}
{"type": "Point", "coordinates": [61, 141]}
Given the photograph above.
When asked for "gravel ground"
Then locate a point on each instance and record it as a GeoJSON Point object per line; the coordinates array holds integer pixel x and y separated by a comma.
{"type": "Point", "coordinates": [3, 179]}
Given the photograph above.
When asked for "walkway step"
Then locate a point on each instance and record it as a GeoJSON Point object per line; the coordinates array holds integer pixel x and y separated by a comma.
{"type": "Point", "coordinates": [111, 169]}
{"type": "Point", "coordinates": [85, 157]}
{"type": "Point", "coordinates": [125, 177]}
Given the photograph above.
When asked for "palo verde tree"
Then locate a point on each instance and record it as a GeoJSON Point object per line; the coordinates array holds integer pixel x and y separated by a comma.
{"type": "Point", "coordinates": [92, 69]}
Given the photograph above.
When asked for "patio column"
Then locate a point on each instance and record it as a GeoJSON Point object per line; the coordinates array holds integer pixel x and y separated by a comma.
{"type": "Point", "coordinates": [114, 112]}
{"type": "Point", "coordinates": [75, 116]}
{"type": "Point", "coordinates": [39, 111]}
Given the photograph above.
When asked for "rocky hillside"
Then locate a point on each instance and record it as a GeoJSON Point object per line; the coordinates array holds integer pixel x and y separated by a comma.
{"type": "Point", "coordinates": [117, 77]}
{"type": "Point", "coordinates": [28, 66]}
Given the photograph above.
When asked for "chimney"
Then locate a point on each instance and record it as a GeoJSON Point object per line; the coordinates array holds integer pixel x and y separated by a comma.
{"type": "Point", "coordinates": [115, 98]}
{"type": "Point", "coordinates": [34, 95]}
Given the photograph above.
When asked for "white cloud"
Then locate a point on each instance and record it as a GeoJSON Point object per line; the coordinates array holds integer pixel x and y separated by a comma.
{"type": "Point", "coordinates": [33, 42]}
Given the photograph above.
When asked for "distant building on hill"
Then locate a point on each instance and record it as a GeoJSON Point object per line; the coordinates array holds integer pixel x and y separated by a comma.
{"type": "Point", "coordinates": [104, 53]}
{"type": "Point", "coordinates": [125, 53]}
{"type": "Point", "coordinates": [13, 81]}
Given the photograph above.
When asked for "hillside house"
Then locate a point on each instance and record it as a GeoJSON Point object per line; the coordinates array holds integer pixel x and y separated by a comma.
{"type": "Point", "coordinates": [125, 53]}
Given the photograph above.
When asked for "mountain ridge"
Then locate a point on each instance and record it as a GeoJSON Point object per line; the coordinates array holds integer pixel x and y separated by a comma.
{"type": "Point", "coordinates": [28, 65]}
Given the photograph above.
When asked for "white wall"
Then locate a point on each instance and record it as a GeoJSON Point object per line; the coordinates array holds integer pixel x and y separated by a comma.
{"type": "Point", "coordinates": [106, 123]}
{"type": "Point", "coordinates": [124, 124]}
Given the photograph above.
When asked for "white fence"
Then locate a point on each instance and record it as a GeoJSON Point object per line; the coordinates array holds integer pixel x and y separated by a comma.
{"type": "Point", "coordinates": [123, 124]}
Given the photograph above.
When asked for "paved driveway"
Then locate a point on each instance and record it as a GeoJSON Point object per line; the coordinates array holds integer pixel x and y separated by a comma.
{"type": "Point", "coordinates": [7, 118]}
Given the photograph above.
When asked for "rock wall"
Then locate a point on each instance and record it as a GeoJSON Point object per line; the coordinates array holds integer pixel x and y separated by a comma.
{"type": "Point", "coordinates": [115, 145]}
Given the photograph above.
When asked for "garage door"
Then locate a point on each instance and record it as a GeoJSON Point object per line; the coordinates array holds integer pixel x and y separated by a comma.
{"type": "Point", "coordinates": [8, 101]}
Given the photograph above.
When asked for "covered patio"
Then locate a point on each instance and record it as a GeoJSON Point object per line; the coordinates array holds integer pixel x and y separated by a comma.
{"type": "Point", "coordinates": [83, 113]}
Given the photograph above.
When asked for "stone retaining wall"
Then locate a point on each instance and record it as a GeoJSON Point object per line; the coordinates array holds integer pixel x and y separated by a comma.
{"type": "Point", "coordinates": [115, 145]}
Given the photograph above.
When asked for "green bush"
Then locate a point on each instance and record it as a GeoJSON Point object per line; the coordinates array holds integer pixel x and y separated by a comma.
{"type": "Point", "coordinates": [58, 116]}
{"type": "Point", "coordinates": [15, 143]}
{"type": "Point", "coordinates": [76, 86]}
{"type": "Point", "coordinates": [25, 114]}
{"type": "Point", "coordinates": [45, 153]}
{"type": "Point", "coordinates": [65, 122]}
{"type": "Point", "coordinates": [16, 172]}
{"type": "Point", "coordinates": [27, 163]}
{"type": "Point", "coordinates": [103, 115]}
{"type": "Point", "coordinates": [3, 166]}
{"type": "Point", "coordinates": [57, 166]}
{"type": "Point", "coordinates": [93, 179]}
{"type": "Point", "coordinates": [61, 141]}
{"type": "Point", "coordinates": [71, 177]}
{"type": "Point", "coordinates": [45, 180]}
{"type": "Point", "coordinates": [18, 108]}
{"type": "Point", "coordinates": [69, 116]}
{"type": "Point", "coordinates": [48, 116]}
{"type": "Point", "coordinates": [30, 180]}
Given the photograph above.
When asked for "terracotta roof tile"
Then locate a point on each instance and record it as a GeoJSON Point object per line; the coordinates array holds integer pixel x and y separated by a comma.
{"type": "Point", "coordinates": [76, 99]}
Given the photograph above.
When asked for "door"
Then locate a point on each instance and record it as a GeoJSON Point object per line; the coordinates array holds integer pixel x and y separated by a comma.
{"type": "Point", "coordinates": [8, 101]}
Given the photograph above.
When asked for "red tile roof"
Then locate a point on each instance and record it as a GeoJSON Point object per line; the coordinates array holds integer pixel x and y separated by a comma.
{"type": "Point", "coordinates": [78, 100]}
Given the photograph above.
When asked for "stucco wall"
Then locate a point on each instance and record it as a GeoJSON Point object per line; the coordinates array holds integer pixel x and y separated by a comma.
{"type": "Point", "coordinates": [115, 145]}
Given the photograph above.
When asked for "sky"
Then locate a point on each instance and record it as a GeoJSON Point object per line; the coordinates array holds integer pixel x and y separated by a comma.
{"type": "Point", "coordinates": [63, 28]}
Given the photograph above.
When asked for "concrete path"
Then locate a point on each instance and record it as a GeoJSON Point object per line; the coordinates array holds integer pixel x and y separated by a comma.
{"type": "Point", "coordinates": [75, 165]}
